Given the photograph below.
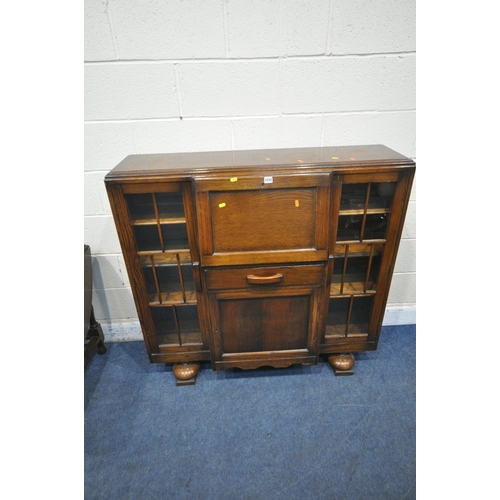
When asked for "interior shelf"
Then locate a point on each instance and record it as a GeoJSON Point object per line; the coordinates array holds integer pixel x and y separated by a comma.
{"type": "Point", "coordinates": [177, 325]}
{"type": "Point", "coordinates": [360, 248]}
{"type": "Point", "coordinates": [172, 298]}
{"type": "Point", "coordinates": [338, 331]}
{"type": "Point", "coordinates": [172, 340]}
{"type": "Point", "coordinates": [348, 315]}
{"type": "Point", "coordinates": [151, 208]}
{"type": "Point", "coordinates": [166, 258]}
{"type": "Point", "coordinates": [168, 253]}
{"type": "Point", "coordinates": [361, 211]}
{"type": "Point", "coordinates": [352, 287]}
{"type": "Point", "coordinates": [163, 221]}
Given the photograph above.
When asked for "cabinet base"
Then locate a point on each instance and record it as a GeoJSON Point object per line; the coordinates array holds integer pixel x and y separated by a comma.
{"type": "Point", "coordinates": [185, 373]}
{"type": "Point", "coordinates": [342, 364]}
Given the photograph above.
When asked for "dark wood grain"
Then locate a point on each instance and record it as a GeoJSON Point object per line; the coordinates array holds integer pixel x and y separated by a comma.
{"type": "Point", "coordinates": [181, 166]}
{"type": "Point", "coordinates": [260, 220]}
{"type": "Point", "coordinates": [243, 220]}
{"type": "Point", "coordinates": [262, 233]}
{"type": "Point", "coordinates": [264, 324]}
{"type": "Point", "coordinates": [236, 277]}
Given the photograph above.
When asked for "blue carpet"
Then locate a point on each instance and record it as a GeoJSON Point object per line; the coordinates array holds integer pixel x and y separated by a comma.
{"type": "Point", "coordinates": [293, 433]}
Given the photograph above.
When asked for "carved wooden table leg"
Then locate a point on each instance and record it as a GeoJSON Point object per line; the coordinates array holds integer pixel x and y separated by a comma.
{"type": "Point", "coordinates": [186, 373]}
{"type": "Point", "coordinates": [97, 329]}
{"type": "Point", "coordinates": [94, 339]}
{"type": "Point", "coordinates": [342, 363]}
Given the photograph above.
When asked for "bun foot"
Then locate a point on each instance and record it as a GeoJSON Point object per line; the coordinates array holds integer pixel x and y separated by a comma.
{"type": "Point", "coordinates": [342, 363]}
{"type": "Point", "coordinates": [186, 373]}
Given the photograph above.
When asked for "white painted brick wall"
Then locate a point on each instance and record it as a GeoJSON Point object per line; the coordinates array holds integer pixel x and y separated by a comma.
{"type": "Point", "coordinates": [242, 75]}
{"type": "Point", "coordinates": [124, 91]}
{"type": "Point", "coordinates": [362, 83]}
{"type": "Point", "coordinates": [168, 29]}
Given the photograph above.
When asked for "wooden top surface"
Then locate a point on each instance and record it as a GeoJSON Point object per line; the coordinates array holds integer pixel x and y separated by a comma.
{"type": "Point", "coordinates": [200, 162]}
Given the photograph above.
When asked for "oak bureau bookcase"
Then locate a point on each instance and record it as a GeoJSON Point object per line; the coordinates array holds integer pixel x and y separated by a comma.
{"type": "Point", "coordinates": [260, 258]}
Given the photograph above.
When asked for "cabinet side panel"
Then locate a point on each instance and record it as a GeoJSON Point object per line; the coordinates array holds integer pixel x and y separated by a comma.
{"type": "Point", "coordinates": [394, 230]}
{"type": "Point", "coordinates": [127, 241]}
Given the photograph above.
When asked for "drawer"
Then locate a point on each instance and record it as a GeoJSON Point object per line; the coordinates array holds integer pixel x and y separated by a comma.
{"type": "Point", "coordinates": [264, 277]}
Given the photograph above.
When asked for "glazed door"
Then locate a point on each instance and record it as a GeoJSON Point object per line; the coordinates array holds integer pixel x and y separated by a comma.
{"type": "Point", "coordinates": [153, 222]}
{"type": "Point", "coordinates": [369, 214]}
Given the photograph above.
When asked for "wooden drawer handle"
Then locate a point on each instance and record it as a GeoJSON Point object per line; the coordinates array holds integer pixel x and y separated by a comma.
{"type": "Point", "coordinates": [264, 280]}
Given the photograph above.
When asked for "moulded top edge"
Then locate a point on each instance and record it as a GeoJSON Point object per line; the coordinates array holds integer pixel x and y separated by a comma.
{"type": "Point", "coordinates": [205, 162]}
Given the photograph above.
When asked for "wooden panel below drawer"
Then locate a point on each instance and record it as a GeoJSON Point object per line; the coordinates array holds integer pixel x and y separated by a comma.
{"type": "Point", "coordinates": [265, 324]}
{"type": "Point", "coordinates": [264, 277]}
